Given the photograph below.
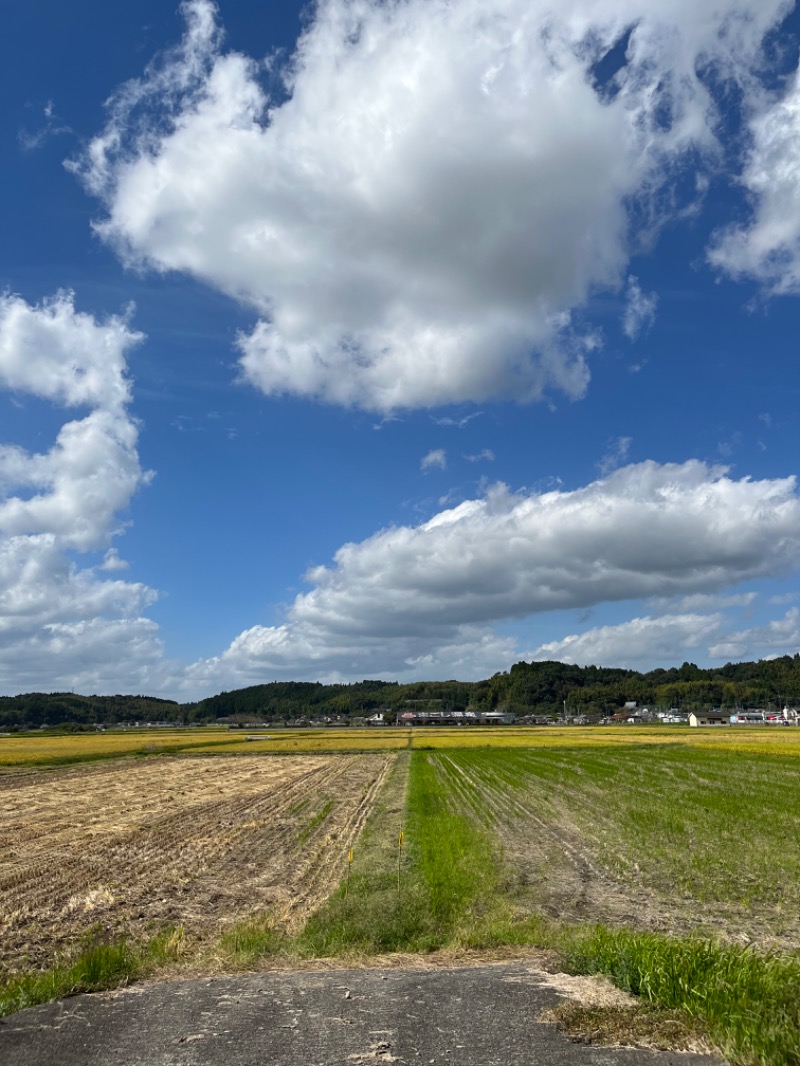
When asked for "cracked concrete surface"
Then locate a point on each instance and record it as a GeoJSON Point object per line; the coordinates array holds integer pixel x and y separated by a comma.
{"type": "Point", "coordinates": [466, 1016]}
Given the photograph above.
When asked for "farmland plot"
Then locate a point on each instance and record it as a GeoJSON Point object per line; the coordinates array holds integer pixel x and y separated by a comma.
{"type": "Point", "coordinates": [660, 838]}
{"type": "Point", "coordinates": [135, 846]}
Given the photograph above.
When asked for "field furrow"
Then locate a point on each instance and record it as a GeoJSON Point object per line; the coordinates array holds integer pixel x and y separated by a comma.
{"type": "Point", "coordinates": [174, 841]}
{"type": "Point", "coordinates": [659, 838]}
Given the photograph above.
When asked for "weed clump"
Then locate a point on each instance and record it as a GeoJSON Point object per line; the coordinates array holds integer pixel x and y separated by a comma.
{"type": "Point", "coordinates": [746, 1000]}
{"type": "Point", "coordinates": [253, 939]}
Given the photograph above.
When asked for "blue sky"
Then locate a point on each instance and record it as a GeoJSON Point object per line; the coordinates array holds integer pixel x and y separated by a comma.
{"type": "Point", "coordinates": [396, 341]}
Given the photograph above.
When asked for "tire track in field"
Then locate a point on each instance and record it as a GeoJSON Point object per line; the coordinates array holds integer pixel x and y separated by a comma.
{"type": "Point", "coordinates": [548, 856]}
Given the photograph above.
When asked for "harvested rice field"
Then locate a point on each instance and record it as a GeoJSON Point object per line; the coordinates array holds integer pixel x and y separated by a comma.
{"type": "Point", "coordinates": [771, 740]}
{"type": "Point", "coordinates": [138, 845]}
{"type": "Point", "coordinates": [311, 740]}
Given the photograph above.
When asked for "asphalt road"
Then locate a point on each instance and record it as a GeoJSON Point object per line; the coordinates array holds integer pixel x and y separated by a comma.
{"type": "Point", "coordinates": [477, 1016]}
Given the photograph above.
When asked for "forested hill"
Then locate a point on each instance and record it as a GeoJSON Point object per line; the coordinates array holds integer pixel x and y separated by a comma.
{"type": "Point", "coordinates": [33, 709]}
{"type": "Point", "coordinates": [527, 688]}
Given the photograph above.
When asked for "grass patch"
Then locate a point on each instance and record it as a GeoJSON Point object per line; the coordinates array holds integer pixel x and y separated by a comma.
{"type": "Point", "coordinates": [746, 1001]}
{"type": "Point", "coordinates": [448, 874]}
{"type": "Point", "coordinates": [255, 938]}
{"type": "Point", "coordinates": [367, 915]}
{"type": "Point", "coordinates": [452, 856]}
{"type": "Point", "coordinates": [96, 966]}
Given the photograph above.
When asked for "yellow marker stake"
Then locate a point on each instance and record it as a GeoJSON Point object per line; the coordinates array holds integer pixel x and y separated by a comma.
{"type": "Point", "coordinates": [400, 840]}
{"type": "Point", "coordinates": [349, 864]}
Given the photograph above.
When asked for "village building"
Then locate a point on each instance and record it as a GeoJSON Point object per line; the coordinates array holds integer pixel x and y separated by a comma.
{"type": "Point", "coordinates": [708, 718]}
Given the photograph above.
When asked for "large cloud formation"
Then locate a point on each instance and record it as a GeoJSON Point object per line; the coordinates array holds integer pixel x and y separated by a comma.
{"type": "Point", "coordinates": [768, 248]}
{"type": "Point", "coordinates": [63, 624]}
{"type": "Point", "coordinates": [429, 594]}
{"type": "Point", "coordinates": [433, 191]}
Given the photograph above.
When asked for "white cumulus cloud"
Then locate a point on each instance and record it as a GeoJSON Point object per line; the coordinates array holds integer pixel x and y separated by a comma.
{"type": "Point", "coordinates": [640, 643]}
{"type": "Point", "coordinates": [60, 354]}
{"type": "Point", "coordinates": [768, 248]}
{"type": "Point", "coordinates": [434, 190]}
{"type": "Point", "coordinates": [63, 623]}
{"type": "Point", "coordinates": [436, 589]}
{"type": "Point", "coordinates": [775, 637]}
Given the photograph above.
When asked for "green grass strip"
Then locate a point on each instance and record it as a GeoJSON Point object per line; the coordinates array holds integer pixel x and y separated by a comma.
{"type": "Point", "coordinates": [94, 968]}
{"type": "Point", "coordinates": [367, 914]}
{"type": "Point", "coordinates": [447, 873]}
{"type": "Point", "coordinates": [453, 856]}
{"type": "Point", "coordinates": [315, 821]}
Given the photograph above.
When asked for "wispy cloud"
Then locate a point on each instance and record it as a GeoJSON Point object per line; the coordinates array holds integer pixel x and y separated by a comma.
{"type": "Point", "coordinates": [456, 423]}
{"type": "Point", "coordinates": [30, 140]}
{"type": "Point", "coordinates": [435, 459]}
{"type": "Point", "coordinates": [616, 455]}
{"type": "Point", "coordinates": [487, 455]}
{"type": "Point", "coordinates": [385, 421]}
{"type": "Point", "coordinates": [726, 448]}
{"type": "Point", "coordinates": [640, 309]}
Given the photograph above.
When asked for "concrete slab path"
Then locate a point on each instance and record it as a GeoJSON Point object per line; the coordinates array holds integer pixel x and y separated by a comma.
{"type": "Point", "coordinates": [470, 1016]}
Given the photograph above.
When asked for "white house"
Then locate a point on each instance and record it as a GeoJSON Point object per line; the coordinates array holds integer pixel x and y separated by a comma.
{"type": "Point", "coordinates": [712, 718]}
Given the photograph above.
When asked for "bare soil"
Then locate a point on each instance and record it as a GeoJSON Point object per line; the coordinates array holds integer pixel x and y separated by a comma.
{"type": "Point", "coordinates": [134, 846]}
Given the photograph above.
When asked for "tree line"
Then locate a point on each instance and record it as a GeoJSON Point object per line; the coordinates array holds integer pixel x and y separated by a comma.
{"type": "Point", "coordinates": [527, 688]}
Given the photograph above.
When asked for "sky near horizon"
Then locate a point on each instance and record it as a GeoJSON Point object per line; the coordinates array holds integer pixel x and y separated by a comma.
{"type": "Point", "coordinates": [396, 340]}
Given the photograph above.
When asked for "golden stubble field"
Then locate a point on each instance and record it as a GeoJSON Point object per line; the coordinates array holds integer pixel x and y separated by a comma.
{"type": "Point", "coordinates": [135, 846]}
